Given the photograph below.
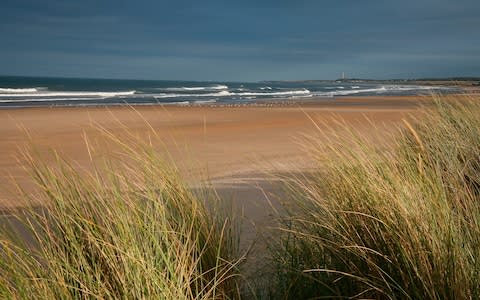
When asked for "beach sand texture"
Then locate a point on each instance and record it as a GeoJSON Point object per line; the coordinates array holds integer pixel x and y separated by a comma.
{"type": "Point", "coordinates": [227, 145]}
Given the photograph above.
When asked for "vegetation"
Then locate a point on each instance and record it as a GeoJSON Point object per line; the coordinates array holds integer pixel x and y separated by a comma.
{"type": "Point", "coordinates": [129, 231]}
{"type": "Point", "coordinates": [395, 223]}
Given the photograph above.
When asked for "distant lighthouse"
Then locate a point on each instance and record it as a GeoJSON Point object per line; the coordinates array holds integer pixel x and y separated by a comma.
{"type": "Point", "coordinates": [343, 75]}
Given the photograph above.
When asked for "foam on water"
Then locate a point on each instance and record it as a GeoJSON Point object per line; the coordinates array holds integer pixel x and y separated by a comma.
{"type": "Point", "coordinates": [285, 93]}
{"type": "Point", "coordinates": [21, 91]}
{"type": "Point", "coordinates": [196, 88]}
{"type": "Point", "coordinates": [379, 90]}
{"type": "Point", "coordinates": [220, 87]}
{"type": "Point", "coordinates": [46, 100]}
{"type": "Point", "coordinates": [78, 92]}
{"type": "Point", "coordinates": [71, 94]}
{"type": "Point", "coordinates": [166, 95]}
{"type": "Point", "coordinates": [205, 101]}
{"type": "Point", "coordinates": [227, 93]}
{"type": "Point", "coordinates": [176, 103]}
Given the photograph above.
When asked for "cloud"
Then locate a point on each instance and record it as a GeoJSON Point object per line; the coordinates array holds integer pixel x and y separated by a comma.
{"type": "Point", "coordinates": [239, 40]}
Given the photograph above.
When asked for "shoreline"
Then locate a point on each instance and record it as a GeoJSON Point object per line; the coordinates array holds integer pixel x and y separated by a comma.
{"type": "Point", "coordinates": [292, 101]}
{"type": "Point", "coordinates": [238, 151]}
{"type": "Point", "coordinates": [205, 142]}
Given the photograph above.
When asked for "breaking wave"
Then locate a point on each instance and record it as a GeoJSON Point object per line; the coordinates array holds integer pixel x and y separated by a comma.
{"type": "Point", "coordinates": [227, 93]}
{"type": "Point", "coordinates": [196, 88]}
{"type": "Point", "coordinates": [379, 90]}
{"type": "Point", "coordinates": [21, 91]}
{"type": "Point", "coordinates": [68, 94]}
{"type": "Point", "coordinates": [72, 92]}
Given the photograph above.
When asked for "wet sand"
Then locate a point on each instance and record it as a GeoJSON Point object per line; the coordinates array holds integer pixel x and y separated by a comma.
{"type": "Point", "coordinates": [229, 145]}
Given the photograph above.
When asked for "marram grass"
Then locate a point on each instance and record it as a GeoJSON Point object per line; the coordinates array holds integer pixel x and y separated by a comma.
{"type": "Point", "coordinates": [397, 222]}
{"type": "Point", "coordinates": [129, 231]}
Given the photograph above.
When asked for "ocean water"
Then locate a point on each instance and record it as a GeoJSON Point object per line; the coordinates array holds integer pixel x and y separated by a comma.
{"type": "Point", "coordinates": [25, 92]}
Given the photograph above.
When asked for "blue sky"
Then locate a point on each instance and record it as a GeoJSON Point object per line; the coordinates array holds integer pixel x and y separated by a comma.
{"type": "Point", "coordinates": [240, 40]}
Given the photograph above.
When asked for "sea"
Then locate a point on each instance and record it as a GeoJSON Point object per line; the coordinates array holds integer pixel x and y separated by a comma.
{"type": "Point", "coordinates": [33, 91]}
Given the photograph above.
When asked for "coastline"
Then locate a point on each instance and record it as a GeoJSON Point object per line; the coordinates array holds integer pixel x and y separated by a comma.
{"type": "Point", "coordinates": [208, 142]}
{"type": "Point", "coordinates": [242, 152]}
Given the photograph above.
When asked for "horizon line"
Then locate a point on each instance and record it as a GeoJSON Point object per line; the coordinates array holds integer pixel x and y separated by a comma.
{"type": "Point", "coordinates": [448, 78]}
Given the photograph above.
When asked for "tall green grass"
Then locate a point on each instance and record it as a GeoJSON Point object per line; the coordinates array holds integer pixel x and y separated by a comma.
{"type": "Point", "coordinates": [129, 229]}
{"type": "Point", "coordinates": [400, 221]}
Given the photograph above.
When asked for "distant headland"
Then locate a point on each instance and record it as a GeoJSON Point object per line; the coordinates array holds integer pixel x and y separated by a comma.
{"type": "Point", "coordinates": [444, 81]}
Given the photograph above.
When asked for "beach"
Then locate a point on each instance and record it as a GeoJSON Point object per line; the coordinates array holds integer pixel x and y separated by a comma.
{"type": "Point", "coordinates": [256, 158]}
{"type": "Point", "coordinates": [237, 150]}
{"type": "Point", "coordinates": [227, 145]}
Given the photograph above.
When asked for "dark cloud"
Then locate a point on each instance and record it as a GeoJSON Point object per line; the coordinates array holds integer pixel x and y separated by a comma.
{"type": "Point", "coordinates": [240, 40]}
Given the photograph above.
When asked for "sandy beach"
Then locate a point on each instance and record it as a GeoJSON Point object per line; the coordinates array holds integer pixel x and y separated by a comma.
{"type": "Point", "coordinates": [239, 150]}
{"type": "Point", "coordinates": [230, 146]}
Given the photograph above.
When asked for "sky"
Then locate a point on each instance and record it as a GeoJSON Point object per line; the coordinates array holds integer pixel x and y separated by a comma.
{"type": "Point", "coordinates": [243, 40]}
